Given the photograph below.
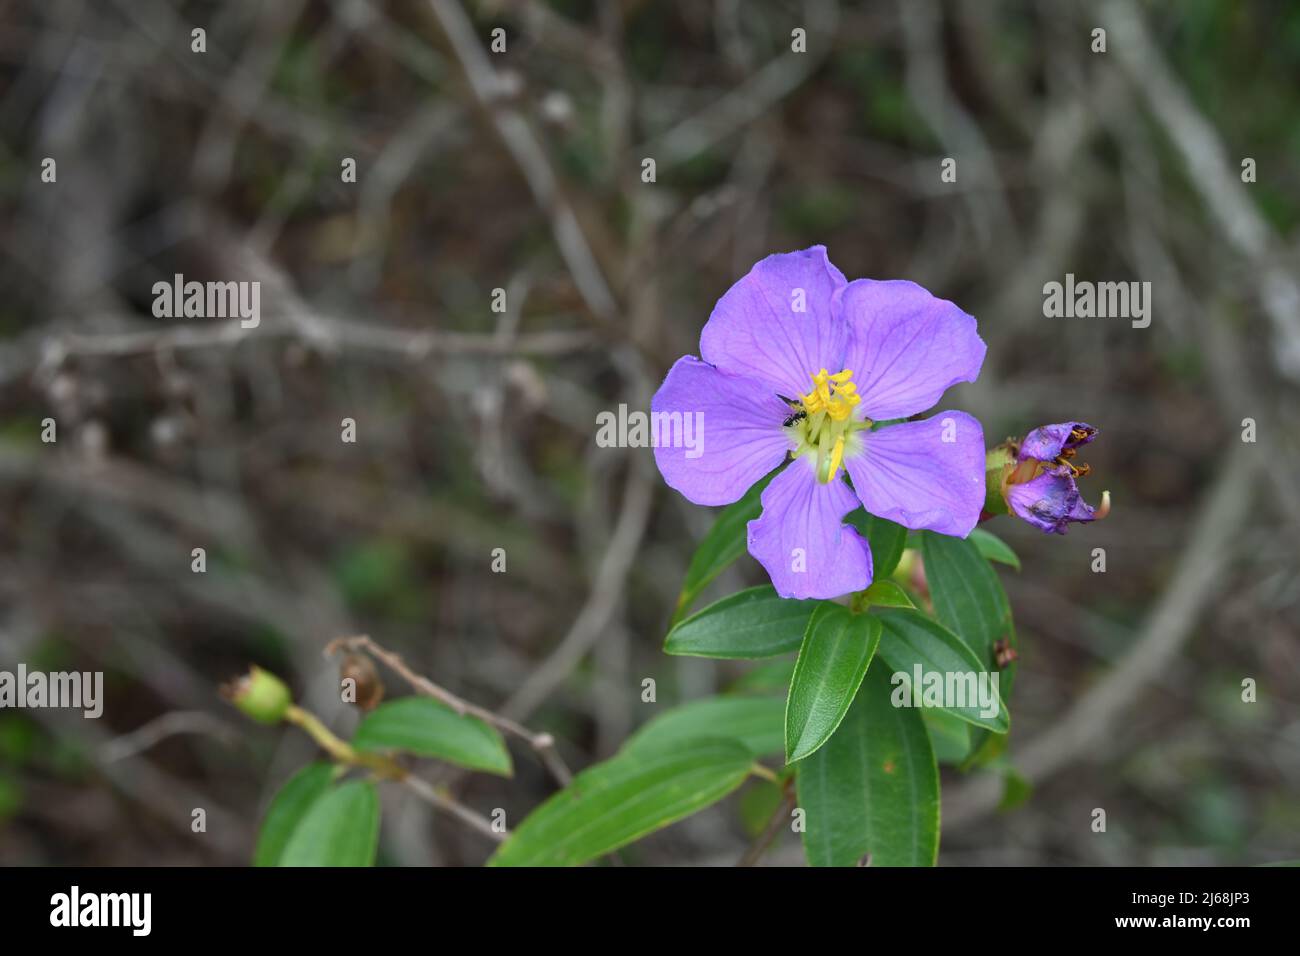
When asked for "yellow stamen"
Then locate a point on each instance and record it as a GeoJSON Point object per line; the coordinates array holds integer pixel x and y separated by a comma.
{"type": "Point", "coordinates": [837, 456]}
{"type": "Point", "coordinates": [828, 419]}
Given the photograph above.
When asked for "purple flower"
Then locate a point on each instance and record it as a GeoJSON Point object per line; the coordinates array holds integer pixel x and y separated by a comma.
{"type": "Point", "coordinates": [1052, 441]}
{"type": "Point", "coordinates": [799, 363]}
{"type": "Point", "coordinates": [1039, 481]}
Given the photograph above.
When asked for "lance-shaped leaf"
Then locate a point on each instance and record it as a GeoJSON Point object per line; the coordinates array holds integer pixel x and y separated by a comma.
{"type": "Point", "coordinates": [914, 644]}
{"type": "Point", "coordinates": [755, 722]}
{"type": "Point", "coordinates": [341, 828]}
{"type": "Point", "coordinates": [288, 807]}
{"type": "Point", "coordinates": [872, 792]}
{"type": "Point", "coordinates": [423, 726]}
{"type": "Point", "coordinates": [993, 548]}
{"type": "Point", "coordinates": [968, 597]}
{"type": "Point", "coordinates": [753, 623]}
{"type": "Point", "coordinates": [634, 793]}
{"type": "Point", "coordinates": [886, 593]}
{"type": "Point", "coordinates": [969, 601]}
{"type": "Point", "coordinates": [836, 651]}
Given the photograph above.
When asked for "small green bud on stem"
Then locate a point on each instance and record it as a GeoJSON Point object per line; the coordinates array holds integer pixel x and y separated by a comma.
{"type": "Point", "coordinates": [260, 695]}
{"type": "Point", "coordinates": [998, 463]}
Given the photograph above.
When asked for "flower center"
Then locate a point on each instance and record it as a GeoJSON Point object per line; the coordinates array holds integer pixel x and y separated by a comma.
{"type": "Point", "coordinates": [823, 423]}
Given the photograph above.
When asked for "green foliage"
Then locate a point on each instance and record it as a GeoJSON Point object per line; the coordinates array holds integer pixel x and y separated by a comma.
{"type": "Point", "coordinates": [886, 538]}
{"type": "Point", "coordinates": [339, 828]}
{"type": "Point", "coordinates": [638, 791]}
{"type": "Point", "coordinates": [993, 548]}
{"type": "Point", "coordinates": [862, 747]}
{"type": "Point", "coordinates": [767, 677]}
{"type": "Point", "coordinates": [423, 726]}
{"type": "Point", "coordinates": [832, 661]}
{"type": "Point", "coordinates": [969, 599]}
{"type": "Point", "coordinates": [755, 722]}
{"type": "Point", "coordinates": [748, 624]}
{"type": "Point", "coordinates": [886, 594]}
{"type": "Point", "coordinates": [287, 809]}
{"type": "Point", "coordinates": [874, 787]}
{"type": "Point", "coordinates": [911, 639]}
{"type": "Point", "coordinates": [949, 735]}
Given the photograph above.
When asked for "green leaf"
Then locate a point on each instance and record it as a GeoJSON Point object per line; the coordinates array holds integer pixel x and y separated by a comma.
{"type": "Point", "coordinates": [725, 542]}
{"type": "Point", "coordinates": [949, 736]}
{"type": "Point", "coordinates": [969, 600]}
{"type": "Point", "coordinates": [290, 804]}
{"type": "Point", "coordinates": [757, 804]}
{"type": "Point", "coordinates": [886, 538]}
{"type": "Point", "coordinates": [834, 656]}
{"type": "Point", "coordinates": [993, 548]}
{"type": "Point", "coordinates": [752, 623]}
{"type": "Point", "coordinates": [634, 793]}
{"type": "Point", "coordinates": [1015, 790]}
{"type": "Point", "coordinates": [886, 593]}
{"type": "Point", "coordinates": [341, 828]}
{"type": "Point", "coordinates": [968, 597]}
{"type": "Point", "coordinates": [765, 678]}
{"type": "Point", "coordinates": [423, 726]}
{"type": "Point", "coordinates": [910, 639]}
{"type": "Point", "coordinates": [755, 722]}
{"type": "Point", "coordinates": [874, 787]}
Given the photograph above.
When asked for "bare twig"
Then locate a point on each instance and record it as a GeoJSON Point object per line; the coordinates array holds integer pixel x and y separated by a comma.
{"type": "Point", "coordinates": [606, 593]}
{"type": "Point", "coordinates": [160, 728]}
{"type": "Point", "coordinates": [530, 156]}
{"type": "Point", "coordinates": [542, 743]}
{"type": "Point", "coordinates": [1211, 175]}
{"type": "Point", "coordinates": [438, 797]}
{"type": "Point", "coordinates": [386, 768]}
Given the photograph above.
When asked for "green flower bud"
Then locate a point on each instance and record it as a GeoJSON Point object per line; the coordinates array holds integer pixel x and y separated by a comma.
{"type": "Point", "coordinates": [260, 695]}
{"type": "Point", "coordinates": [998, 463]}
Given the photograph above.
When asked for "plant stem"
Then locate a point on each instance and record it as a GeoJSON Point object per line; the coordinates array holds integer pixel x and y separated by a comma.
{"type": "Point", "coordinates": [341, 751]}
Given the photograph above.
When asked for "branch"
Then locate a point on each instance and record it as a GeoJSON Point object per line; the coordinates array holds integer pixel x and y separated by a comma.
{"type": "Point", "coordinates": [1212, 176]}
{"type": "Point", "coordinates": [542, 743]}
{"type": "Point", "coordinates": [530, 156]}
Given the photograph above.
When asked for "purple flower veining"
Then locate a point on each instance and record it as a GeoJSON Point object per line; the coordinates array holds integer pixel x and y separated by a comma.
{"type": "Point", "coordinates": [798, 363]}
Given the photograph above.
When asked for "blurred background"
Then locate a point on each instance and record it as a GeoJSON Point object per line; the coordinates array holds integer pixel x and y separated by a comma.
{"type": "Point", "coordinates": [522, 170]}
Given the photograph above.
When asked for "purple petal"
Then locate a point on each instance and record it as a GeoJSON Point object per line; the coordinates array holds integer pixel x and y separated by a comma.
{"type": "Point", "coordinates": [906, 348]}
{"type": "Point", "coordinates": [801, 539]}
{"type": "Point", "coordinates": [727, 437]}
{"type": "Point", "coordinates": [756, 331]}
{"type": "Point", "coordinates": [1047, 443]}
{"type": "Point", "coordinates": [1050, 501]}
{"type": "Point", "coordinates": [926, 474]}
